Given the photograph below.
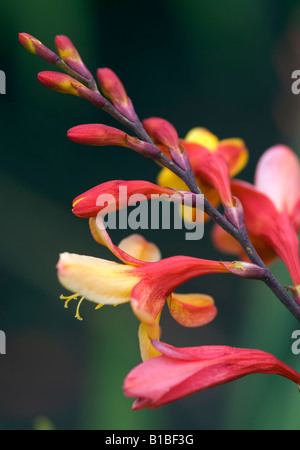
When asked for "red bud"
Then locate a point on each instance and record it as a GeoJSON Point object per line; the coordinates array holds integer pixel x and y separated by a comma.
{"type": "Point", "coordinates": [97, 134]}
{"type": "Point", "coordinates": [60, 82]}
{"type": "Point", "coordinates": [34, 46]}
{"type": "Point", "coordinates": [114, 91]}
{"type": "Point", "coordinates": [70, 55]}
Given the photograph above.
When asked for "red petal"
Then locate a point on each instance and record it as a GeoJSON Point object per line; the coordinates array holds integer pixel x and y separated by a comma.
{"type": "Point", "coordinates": [114, 195]}
{"type": "Point", "coordinates": [194, 369]}
{"type": "Point", "coordinates": [159, 279]}
{"type": "Point", "coordinates": [211, 168]}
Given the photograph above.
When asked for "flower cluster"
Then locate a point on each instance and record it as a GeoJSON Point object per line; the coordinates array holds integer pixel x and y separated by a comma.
{"type": "Point", "coordinates": [258, 223]}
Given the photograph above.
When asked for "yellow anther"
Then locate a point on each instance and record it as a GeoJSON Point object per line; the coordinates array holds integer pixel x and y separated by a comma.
{"type": "Point", "coordinates": [68, 298]}
{"type": "Point", "coordinates": [77, 315]}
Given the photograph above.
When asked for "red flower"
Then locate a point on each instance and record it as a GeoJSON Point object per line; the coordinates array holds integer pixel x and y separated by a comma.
{"type": "Point", "coordinates": [213, 162]}
{"type": "Point", "coordinates": [146, 285]}
{"type": "Point", "coordinates": [179, 372]}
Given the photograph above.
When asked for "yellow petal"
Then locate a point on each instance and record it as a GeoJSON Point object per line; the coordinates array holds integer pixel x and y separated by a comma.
{"type": "Point", "coordinates": [189, 214]}
{"type": "Point", "coordinates": [98, 280]}
{"type": "Point", "coordinates": [203, 137]}
{"type": "Point", "coordinates": [166, 178]}
{"type": "Point", "coordinates": [138, 247]}
{"type": "Point", "coordinates": [146, 333]}
{"type": "Point", "coordinates": [236, 154]}
{"type": "Point", "coordinates": [192, 310]}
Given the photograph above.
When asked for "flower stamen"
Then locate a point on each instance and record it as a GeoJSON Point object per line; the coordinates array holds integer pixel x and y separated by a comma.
{"type": "Point", "coordinates": [68, 298]}
{"type": "Point", "coordinates": [77, 315]}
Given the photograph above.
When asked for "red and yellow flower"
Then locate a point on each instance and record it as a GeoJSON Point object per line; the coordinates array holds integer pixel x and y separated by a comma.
{"type": "Point", "coordinates": [143, 281]}
{"type": "Point", "coordinates": [272, 211]}
{"type": "Point", "coordinates": [213, 162]}
{"type": "Point", "coordinates": [147, 285]}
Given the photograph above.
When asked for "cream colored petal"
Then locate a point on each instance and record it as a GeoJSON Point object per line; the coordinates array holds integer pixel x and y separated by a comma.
{"type": "Point", "coordinates": [138, 247]}
{"type": "Point", "coordinates": [98, 280]}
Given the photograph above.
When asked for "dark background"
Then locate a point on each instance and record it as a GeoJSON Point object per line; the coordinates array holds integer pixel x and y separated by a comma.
{"type": "Point", "coordinates": [223, 65]}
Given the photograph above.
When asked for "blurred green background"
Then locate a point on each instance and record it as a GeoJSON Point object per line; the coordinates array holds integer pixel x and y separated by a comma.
{"type": "Point", "coordinates": [224, 65]}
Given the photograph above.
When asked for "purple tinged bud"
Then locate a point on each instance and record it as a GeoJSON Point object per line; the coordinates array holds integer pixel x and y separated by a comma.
{"type": "Point", "coordinates": [177, 159]}
{"type": "Point", "coordinates": [91, 96]}
{"type": "Point", "coordinates": [142, 147]}
{"type": "Point", "coordinates": [114, 91]}
{"type": "Point", "coordinates": [79, 68]}
{"type": "Point", "coordinates": [296, 292]}
{"type": "Point", "coordinates": [245, 269]}
{"type": "Point", "coordinates": [35, 47]}
{"type": "Point", "coordinates": [235, 214]}
{"type": "Point", "coordinates": [69, 54]}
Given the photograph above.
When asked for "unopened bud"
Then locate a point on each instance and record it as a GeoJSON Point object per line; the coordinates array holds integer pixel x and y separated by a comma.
{"type": "Point", "coordinates": [69, 54]}
{"type": "Point", "coordinates": [91, 96]}
{"type": "Point", "coordinates": [97, 134]}
{"type": "Point", "coordinates": [145, 148]}
{"type": "Point", "coordinates": [235, 214]}
{"type": "Point", "coordinates": [35, 47]}
{"type": "Point", "coordinates": [296, 292]}
{"type": "Point", "coordinates": [60, 82]}
{"type": "Point", "coordinates": [245, 269]}
{"type": "Point", "coordinates": [163, 133]}
{"type": "Point", "coordinates": [114, 91]}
